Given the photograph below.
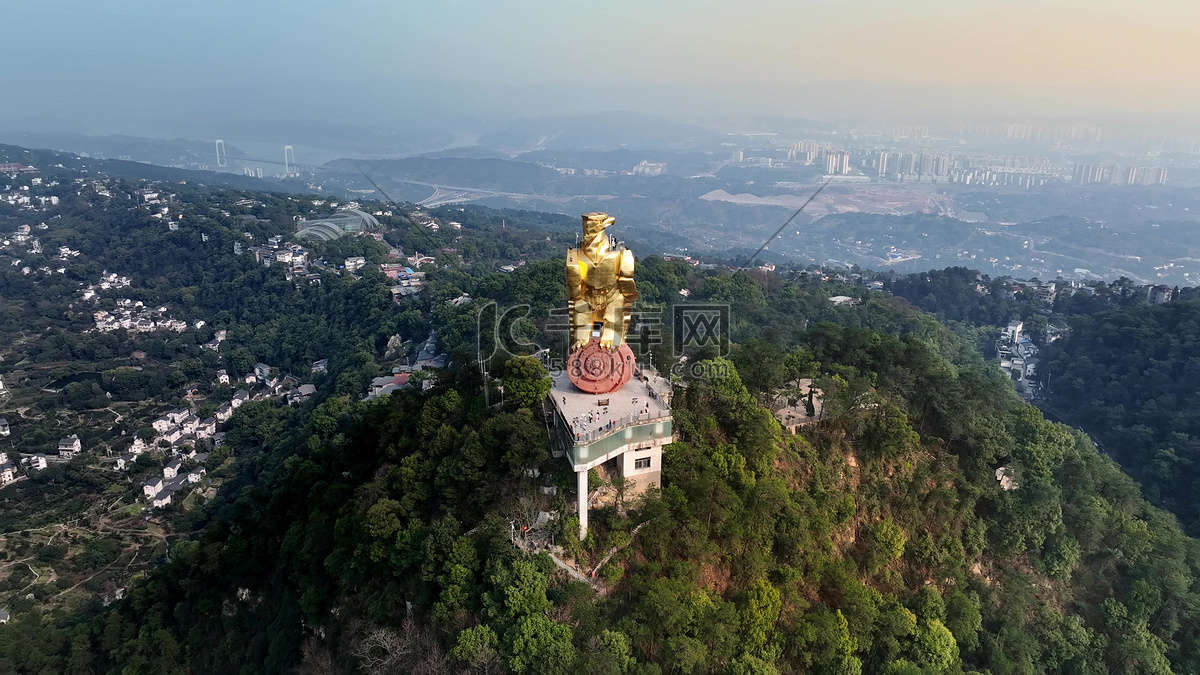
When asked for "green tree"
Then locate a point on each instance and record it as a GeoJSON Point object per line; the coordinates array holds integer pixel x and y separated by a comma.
{"type": "Point", "coordinates": [758, 615]}
{"type": "Point", "coordinates": [475, 646]}
{"type": "Point", "coordinates": [540, 646]}
{"type": "Point", "coordinates": [934, 647]}
{"type": "Point", "coordinates": [888, 541]}
{"type": "Point", "coordinates": [525, 381]}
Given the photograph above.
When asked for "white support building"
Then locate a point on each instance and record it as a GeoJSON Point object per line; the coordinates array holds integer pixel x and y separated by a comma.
{"type": "Point", "coordinates": [627, 428]}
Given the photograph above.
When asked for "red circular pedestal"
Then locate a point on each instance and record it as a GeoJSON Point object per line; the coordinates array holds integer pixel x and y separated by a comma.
{"type": "Point", "coordinates": [597, 370]}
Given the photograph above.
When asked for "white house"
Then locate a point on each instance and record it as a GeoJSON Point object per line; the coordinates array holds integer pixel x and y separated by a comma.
{"type": "Point", "coordinates": [161, 424]}
{"type": "Point", "coordinates": [222, 377]}
{"type": "Point", "coordinates": [196, 474]}
{"type": "Point", "coordinates": [37, 462]}
{"type": "Point", "coordinates": [152, 486]}
{"type": "Point", "coordinates": [8, 473]}
{"type": "Point", "coordinates": [239, 397]}
{"type": "Point", "coordinates": [125, 462]}
{"type": "Point", "coordinates": [224, 412]}
{"type": "Point", "coordinates": [4, 430]}
{"type": "Point", "coordinates": [189, 424]}
{"type": "Point", "coordinates": [206, 428]}
{"type": "Point", "coordinates": [171, 469]}
{"type": "Point", "coordinates": [138, 447]}
{"type": "Point", "coordinates": [70, 446]}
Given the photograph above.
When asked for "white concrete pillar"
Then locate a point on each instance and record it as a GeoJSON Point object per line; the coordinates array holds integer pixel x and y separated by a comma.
{"type": "Point", "coordinates": [582, 482]}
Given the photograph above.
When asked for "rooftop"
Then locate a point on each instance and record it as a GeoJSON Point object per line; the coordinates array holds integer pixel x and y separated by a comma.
{"type": "Point", "coordinates": [646, 391]}
{"type": "Point", "coordinates": [336, 225]}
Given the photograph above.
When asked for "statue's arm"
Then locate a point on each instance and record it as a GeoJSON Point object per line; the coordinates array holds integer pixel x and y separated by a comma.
{"type": "Point", "coordinates": [625, 281]}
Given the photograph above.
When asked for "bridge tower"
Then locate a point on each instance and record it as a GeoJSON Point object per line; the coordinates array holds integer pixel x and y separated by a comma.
{"type": "Point", "coordinates": [289, 159]}
{"type": "Point", "coordinates": [221, 159]}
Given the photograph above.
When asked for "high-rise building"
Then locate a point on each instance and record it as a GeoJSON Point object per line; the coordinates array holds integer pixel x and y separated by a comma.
{"type": "Point", "coordinates": [882, 162]}
{"type": "Point", "coordinates": [1087, 174]}
{"type": "Point", "coordinates": [736, 156]}
{"type": "Point", "coordinates": [1155, 175]}
{"type": "Point", "coordinates": [837, 163]}
{"type": "Point", "coordinates": [926, 166]}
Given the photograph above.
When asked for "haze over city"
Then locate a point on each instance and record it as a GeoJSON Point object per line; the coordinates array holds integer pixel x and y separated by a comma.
{"type": "Point", "coordinates": [466, 64]}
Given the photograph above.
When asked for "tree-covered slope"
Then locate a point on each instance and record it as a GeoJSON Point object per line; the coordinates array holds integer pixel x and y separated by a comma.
{"type": "Point", "coordinates": [877, 541]}
{"type": "Point", "coordinates": [1131, 375]}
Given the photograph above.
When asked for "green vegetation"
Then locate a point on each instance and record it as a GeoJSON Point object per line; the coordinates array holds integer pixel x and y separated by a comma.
{"type": "Point", "coordinates": [878, 541]}
{"type": "Point", "coordinates": [1130, 377]}
{"type": "Point", "coordinates": [377, 535]}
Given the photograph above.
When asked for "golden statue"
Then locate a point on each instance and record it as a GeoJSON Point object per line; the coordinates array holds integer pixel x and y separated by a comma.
{"type": "Point", "coordinates": [600, 287]}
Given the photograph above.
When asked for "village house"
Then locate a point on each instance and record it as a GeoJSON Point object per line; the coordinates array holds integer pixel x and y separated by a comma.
{"type": "Point", "coordinates": [321, 366]}
{"type": "Point", "coordinates": [152, 486]}
{"type": "Point", "coordinates": [262, 372]}
{"type": "Point", "coordinates": [4, 430]}
{"type": "Point", "coordinates": [162, 499]}
{"type": "Point", "coordinates": [224, 412]}
{"type": "Point", "coordinates": [70, 446]}
{"type": "Point", "coordinates": [8, 473]}
{"type": "Point", "coordinates": [301, 394]}
{"type": "Point", "coordinates": [206, 428]}
{"type": "Point", "coordinates": [189, 424]}
{"type": "Point", "coordinates": [239, 397]}
{"type": "Point", "coordinates": [36, 462]}
{"type": "Point", "coordinates": [172, 435]}
{"type": "Point", "coordinates": [382, 386]}
{"type": "Point", "coordinates": [171, 468]}
{"type": "Point", "coordinates": [161, 425]}
{"type": "Point", "coordinates": [125, 462]}
{"type": "Point", "coordinates": [222, 377]}
{"type": "Point", "coordinates": [196, 474]}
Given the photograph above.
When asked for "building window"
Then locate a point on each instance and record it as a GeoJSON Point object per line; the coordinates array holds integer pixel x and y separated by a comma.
{"type": "Point", "coordinates": [643, 463]}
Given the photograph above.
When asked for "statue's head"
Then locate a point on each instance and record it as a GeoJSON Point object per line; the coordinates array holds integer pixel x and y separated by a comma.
{"type": "Point", "coordinates": [595, 223]}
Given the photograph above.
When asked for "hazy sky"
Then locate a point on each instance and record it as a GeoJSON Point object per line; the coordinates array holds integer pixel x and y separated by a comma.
{"type": "Point", "coordinates": [137, 59]}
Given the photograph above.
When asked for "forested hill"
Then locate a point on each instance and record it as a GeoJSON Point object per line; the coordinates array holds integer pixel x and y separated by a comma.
{"type": "Point", "coordinates": [1125, 370]}
{"type": "Point", "coordinates": [353, 535]}
{"type": "Point", "coordinates": [1132, 376]}
{"type": "Point", "coordinates": [375, 536]}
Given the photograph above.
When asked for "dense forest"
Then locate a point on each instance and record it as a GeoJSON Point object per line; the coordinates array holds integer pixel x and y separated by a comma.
{"type": "Point", "coordinates": [377, 536]}
{"type": "Point", "coordinates": [1131, 376]}
{"type": "Point", "coordinates": [1123, 370]}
